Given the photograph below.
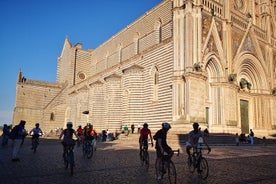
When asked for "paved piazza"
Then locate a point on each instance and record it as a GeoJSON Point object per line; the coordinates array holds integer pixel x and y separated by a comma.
{"type": "Point", "coordinates": [118, 162]}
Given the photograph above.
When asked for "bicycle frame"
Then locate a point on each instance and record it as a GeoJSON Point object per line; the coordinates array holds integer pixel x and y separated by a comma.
{"type": "Point", "coordinates": [197, 161]}
{"type": "Point", "coordinates": [144, 154]}
{"type": "Point", "coordinates": [167, 166]}
{"type": "Point", "coordinates": [88, 148]}
{"type": "Point", "coordinates": [35, 142]}
{"type": "Point", "coordinates": [69, 158]}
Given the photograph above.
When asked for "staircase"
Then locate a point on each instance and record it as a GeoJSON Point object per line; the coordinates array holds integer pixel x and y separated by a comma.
{"type": "Point", "coordinates": [176, 139]}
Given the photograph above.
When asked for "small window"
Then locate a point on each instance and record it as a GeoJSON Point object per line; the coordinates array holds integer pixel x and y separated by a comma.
{"type": "Point", "coordinates": [81, 76]}
{"type": "Point", "coordinates": [52, 117]}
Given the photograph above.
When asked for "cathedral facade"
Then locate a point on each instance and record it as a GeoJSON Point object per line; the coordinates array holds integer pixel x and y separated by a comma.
{"type": "Point", "coordinates": [210, 61]}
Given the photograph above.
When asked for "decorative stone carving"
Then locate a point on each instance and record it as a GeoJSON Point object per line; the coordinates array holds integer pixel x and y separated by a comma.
{"type": "Point", "coordinates": [244, 84]}
{"type": "Point", "coordinates": [232, 77]}
{"type": "Point", "coordinates": [197, 67]}
{"type": "Point", "coordinates": [274, 91]}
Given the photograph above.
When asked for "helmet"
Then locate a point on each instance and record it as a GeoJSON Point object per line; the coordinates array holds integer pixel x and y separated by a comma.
{"type": "Point", "coordinates": [69, 124]}
{"type": "Point", "coordinates": [145, 125]}
{"type": "Point", "coordinates": [195, 125]}
{"type": "Point", "coordinates": [166, 126]}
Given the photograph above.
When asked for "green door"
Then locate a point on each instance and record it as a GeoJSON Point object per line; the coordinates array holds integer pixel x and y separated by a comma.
{"type": "Point", "coordinates": [244, 116]}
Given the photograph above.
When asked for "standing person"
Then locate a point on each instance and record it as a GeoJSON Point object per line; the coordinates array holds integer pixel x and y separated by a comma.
{"type": "Point", "coordinates": [145, 133]}
{"type": "Point", "coordinates": [35, 133]}
{"type": "Point", "coordinates": [17, 134]}
{"type": "Point", "coordinates": [132, 128]}
{"type": "Point", "coordinates": [251, 136]}
{"type": "Point", "coordinates": [139, 127]}
{"type": "Point", "coordinates": [68, 136]}
{"type": "Point", "coordinates": [161, 145]}
{"type": "Point", "coordinates": [193, 138]}
{"type": "Point", "coordinates": [5, 135]}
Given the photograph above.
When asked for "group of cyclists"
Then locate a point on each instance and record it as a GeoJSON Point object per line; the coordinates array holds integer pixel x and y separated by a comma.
{"type": "Point", "coordinates": [88, 133]}
{"type": "Point", "coordinates": [161, 145]}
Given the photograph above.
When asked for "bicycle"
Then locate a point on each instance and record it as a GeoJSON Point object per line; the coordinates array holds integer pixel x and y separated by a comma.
{"type": "Point", "coordinates": [197, 161]}
{"type": "Point", "coordinates": [88, 148]}
{"type": "Point", "coordinates": [35, 142]}
{"type": "Point", "coordinates": [69, 158]}
{"type": "Point", "coordinates": [144, 156]}
{"type": "Point", "coordinates": [167, 167]}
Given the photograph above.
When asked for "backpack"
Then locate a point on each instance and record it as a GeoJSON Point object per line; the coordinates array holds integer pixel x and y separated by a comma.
{"type": "Point", "coordinates": [13, 133]}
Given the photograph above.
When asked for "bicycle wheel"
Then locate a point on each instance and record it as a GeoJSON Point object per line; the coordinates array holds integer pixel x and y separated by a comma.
{"type": "Point", "coordinates": [158, 171]}
{"type": "Point", "coordinates": [142, 157]}
{"type": "Point", "coordinates": [190, 164]}
{"type": "Point", "coordinates": [203, 168]}
{"type": "Point", "coordinates": [34, 145]}
{"type": "Point", "coordinates": [90, 150]}
{"type": "Point", "coordinates": [65, 159]}
{"type": "Point", "coordinates": [84, 148]}
{"type": "Point", "coordinates": [171, 172]}
{"type": "Point", "coordinates": [146, 159]}
{"type": "Point", "coordinates": [71, 161]}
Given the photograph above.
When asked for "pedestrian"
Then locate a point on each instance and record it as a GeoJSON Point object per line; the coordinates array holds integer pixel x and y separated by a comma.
{"type": "Point", "coordinates": [5, 135]}
{"type": "Point", "coordinates": [251, 136]}
{"type": "Point", "coordinates": [132, 128]}
{"type": "Point", "coordinates": [108, 137]}
{"type": "Point", "coordinates": [139, 128]}
{"type": "Point", "coordinates": [126, 130]}
{"type": "Point", "coordinates": [237, 141]}
{"type": "Point", "coordinates": [17, 134]}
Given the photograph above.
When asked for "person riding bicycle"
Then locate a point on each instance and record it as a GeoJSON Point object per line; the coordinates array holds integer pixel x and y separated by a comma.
{"type": "Point", "coordinates": [90, 134]}
{"type": "Point", "coordinates": [143, 139]}
{"type": "Point", "coordinates": [68, 136]}
{"type": "Point", "coordinates": [80, 132]}
{"type": "Point", "coordinates": [193, 138]}
{"type": "Point", "coordinates": [36, 132]}
{"type": "Point", "coordinates": [161, 145]}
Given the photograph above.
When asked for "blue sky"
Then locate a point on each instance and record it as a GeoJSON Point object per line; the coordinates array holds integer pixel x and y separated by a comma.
{"type": "Point", "coordinates": [32, 34]}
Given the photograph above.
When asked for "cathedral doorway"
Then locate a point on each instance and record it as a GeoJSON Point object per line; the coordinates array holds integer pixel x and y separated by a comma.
{"type": "Point", "coordinates": [244, 116]}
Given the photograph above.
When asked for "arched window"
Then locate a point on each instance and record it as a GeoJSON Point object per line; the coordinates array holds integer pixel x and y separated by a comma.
{"type": "Point", "coordinates": [155, 83]}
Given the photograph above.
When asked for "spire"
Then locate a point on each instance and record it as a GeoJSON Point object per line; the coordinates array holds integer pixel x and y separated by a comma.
{"type": "Point", "coordinates": [19, 76]}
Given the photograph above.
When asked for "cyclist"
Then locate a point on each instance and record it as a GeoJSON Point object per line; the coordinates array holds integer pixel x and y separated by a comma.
{"type": "Point", "coordinates": [68, 136]}
{"type": "Point", "coordinates": [90, 133]}
{"type": "Point", "coordinates": [35, 133]}
{"type": "Point", "coordinates": [143, 139]}
{"type": "Point", "coordinates": [161, 145]}
{"type": "Point", "coordinates": [193, 137]}
{"type": "Point", "coordinates": [80, 133]}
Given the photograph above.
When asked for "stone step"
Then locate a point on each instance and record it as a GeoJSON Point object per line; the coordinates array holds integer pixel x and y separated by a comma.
{"type": "Point", "coordinates": [179, 139]}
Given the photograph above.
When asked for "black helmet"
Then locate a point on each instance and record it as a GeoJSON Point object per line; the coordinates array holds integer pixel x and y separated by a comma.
{"type": "Point", "coordinates": [69, 124]}
{"type": "Point", "coordinates": [166, 126]}
{"type": "Point", "coordinates": [145, 125]}
{"type": "Point", "coordinates": [195, 125]}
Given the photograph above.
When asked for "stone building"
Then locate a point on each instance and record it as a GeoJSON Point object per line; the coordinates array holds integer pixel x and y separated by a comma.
{"type": "Point", "coordinates": [210, 61]}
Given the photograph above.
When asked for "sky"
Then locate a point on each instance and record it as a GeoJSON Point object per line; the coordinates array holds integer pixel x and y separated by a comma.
{"type": "Point", "coordinates": [32, 34]}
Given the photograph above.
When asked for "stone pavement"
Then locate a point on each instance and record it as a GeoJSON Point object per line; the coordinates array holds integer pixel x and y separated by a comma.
{"type": "Point", "coordinates": [117, 162]}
